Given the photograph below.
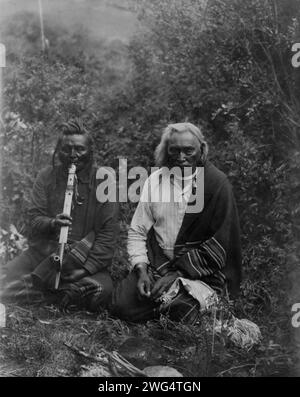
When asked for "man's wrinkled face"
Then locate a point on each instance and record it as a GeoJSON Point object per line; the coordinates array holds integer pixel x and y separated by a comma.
{"type": "Point", "coordinates": [74, 149]}
{"type": "Point", "coordinates": [184, 150]}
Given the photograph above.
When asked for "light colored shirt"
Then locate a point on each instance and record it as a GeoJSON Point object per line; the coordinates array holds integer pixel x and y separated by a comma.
{"type": "Point", "coordinates": [162, 204]}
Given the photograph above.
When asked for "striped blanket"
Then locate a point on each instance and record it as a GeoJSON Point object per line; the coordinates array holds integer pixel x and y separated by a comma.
{"type": "Point", "coordinates": [39, 284]}
{"type": "Point", "coordinates": [75, 256]}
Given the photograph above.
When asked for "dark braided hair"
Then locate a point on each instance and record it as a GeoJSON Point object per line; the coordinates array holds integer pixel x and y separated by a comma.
{"type": "Point", "coordinates": [72, 127]}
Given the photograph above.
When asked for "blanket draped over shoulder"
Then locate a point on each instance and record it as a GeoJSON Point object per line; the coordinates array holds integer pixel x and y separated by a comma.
{"type": "Point", "coordinates": [208, 246]}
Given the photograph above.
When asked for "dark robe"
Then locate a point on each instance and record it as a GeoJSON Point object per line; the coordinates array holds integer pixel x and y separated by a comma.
{"type": "Point", "coordinates": [90, 218]}
{"type": "Point", "coordinates": [207, 248]}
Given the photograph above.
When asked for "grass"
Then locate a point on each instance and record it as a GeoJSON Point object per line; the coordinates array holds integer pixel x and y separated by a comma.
{"type": "Point", "coordinates": [34, 344]}
{"type": "Point", "coordinates": [34, 340]}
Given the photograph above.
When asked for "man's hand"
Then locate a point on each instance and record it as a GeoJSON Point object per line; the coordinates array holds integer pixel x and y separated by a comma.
{"type": "Point", "coordinates": [62, 220]}
{"type": "Point", "coordinates": [74, 275]}
{"type": "Point", "coordinates": [163, 284]}
{"type": "Point", "coordinates": [145, 282]}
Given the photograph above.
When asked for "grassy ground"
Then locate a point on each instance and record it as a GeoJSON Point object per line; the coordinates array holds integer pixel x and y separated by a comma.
{"type": "Point", "coordinates": [34, 340]}
{"type": "Point", "coordinates": [34, 344]}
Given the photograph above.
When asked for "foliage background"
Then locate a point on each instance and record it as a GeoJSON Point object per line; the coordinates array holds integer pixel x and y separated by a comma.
{"type": "Point", "coordinates": [221, 64]}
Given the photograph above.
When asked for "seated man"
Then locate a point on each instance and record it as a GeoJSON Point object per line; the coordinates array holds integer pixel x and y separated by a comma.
{"type": "Point", "coordinates": [85, 278]}
{"type": "Point", "coordinates": [182, 253]}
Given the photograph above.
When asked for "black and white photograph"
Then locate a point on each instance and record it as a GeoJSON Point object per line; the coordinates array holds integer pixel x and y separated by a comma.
{"type": "Point", "coordinates": [149, 191]}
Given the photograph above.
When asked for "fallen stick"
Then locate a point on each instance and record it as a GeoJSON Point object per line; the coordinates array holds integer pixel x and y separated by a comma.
{"type": "Point", "coordinates": [85, 355]}
{"type": "Point", "coordinates": [113, 360]}
{"type": "Point", "coordinates": [124, 363]}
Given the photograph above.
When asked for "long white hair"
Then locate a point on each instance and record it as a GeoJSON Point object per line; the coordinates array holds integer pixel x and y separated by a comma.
{"type": "Point", "coordinates": [161, 152]}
